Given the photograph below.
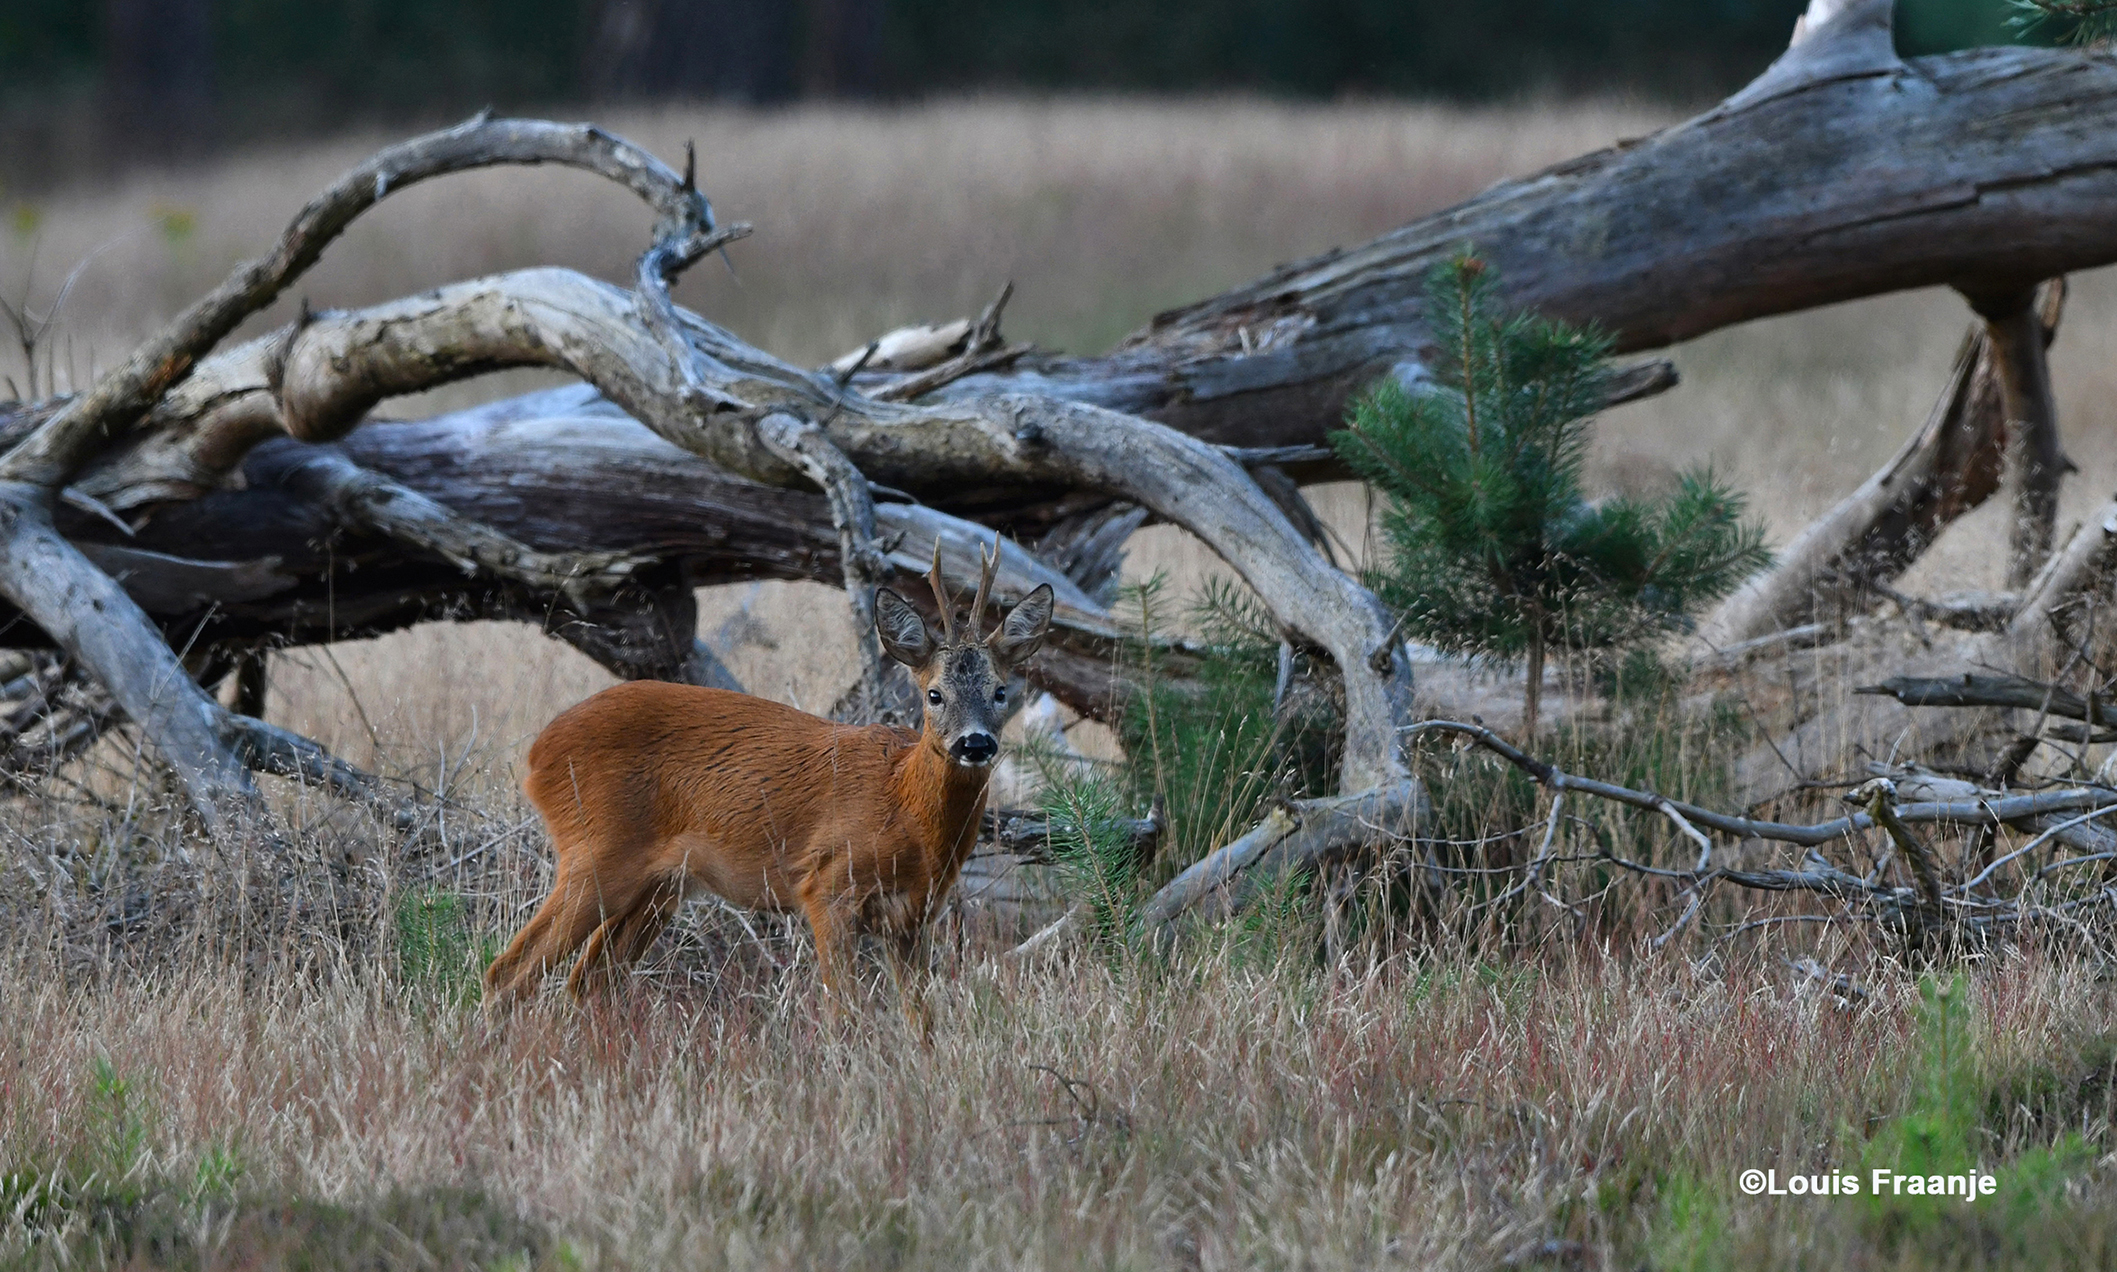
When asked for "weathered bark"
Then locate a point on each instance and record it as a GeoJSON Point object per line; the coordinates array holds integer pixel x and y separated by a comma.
{"type": "Point", "coordinates": [1842, 172]}
{"type": "Point", "coordinates": [1842, 562]}
{"type": "Point", "coordinates": [83, 611]}
{"type": "Point", "coordinates": [885, 691]}
{"type": "Point", "coordinates": [1982, 170]}
{"type": "Point", "coordinates": [351, 495]}
{"type": "Point", "coordinates": [2040, 637]}
{"type": "Point", "coordinates": [1299, 834]}
{"type": "Point", "coordinates": [705, 391]}
{"type": "Point", "coordinates": [282, 560]}
{"type": "Point", "coordinates": [1987, 689]}
{"type": "Point", "coordinates": [2035, 461]}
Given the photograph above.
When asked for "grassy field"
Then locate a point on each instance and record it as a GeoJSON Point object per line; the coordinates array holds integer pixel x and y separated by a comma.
{"type": "Point", "coordinates": [205, 1066]}
{"type": "Point", "coordinates": [1224, 1109]}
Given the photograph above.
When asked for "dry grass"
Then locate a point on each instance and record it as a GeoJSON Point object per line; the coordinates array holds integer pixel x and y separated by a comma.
{"type": "Point", "coordinates": [304, 1076]}
{"type": "Point", "coordinates": [1228, 1112]}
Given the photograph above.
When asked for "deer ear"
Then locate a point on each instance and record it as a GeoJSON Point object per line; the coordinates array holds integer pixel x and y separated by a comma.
{"type": "Point", "coordinates": [1022, 631]}
{"type": "Point", "coordinates": [904, 633]}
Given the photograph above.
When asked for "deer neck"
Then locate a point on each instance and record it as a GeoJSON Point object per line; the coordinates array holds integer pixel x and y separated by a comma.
{"type": "Point", "coordinates": [941, 797]}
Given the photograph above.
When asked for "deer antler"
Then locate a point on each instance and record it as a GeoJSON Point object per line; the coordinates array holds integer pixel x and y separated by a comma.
{"type": "Point", "coordinates": [942, 598]}
{"type": "Point", "coordinates": [991, 567]}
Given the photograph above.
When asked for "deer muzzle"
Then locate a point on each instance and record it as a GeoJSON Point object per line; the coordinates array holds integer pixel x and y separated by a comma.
{"type": "Point", "coordinates": [975, 749]}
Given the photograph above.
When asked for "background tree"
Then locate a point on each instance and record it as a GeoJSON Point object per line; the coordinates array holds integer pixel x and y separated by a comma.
{"type": "Point", "coordinates": [1492, 548]}
{"type": "Point", "coordinates": [158, 76]}
{"type": "Point", "coordinates": [2077, 20]}
{"type": "Point", "coordinates": [739, 50]}
{"type": "Point", "coordinates": [290, 68]}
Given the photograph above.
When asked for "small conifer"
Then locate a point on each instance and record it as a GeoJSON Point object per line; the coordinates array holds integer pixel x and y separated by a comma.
{"type": "Point", "coordinates": [1491, 548]}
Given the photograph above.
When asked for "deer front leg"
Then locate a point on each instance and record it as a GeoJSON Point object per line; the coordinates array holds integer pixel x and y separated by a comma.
{"type": "Point", "coordinates": [837, 931]}
{"type": "Point", "coordinates": [908, 958]}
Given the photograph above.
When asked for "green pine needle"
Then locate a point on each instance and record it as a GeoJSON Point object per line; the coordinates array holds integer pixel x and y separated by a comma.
{"type": "Point", "coordinates": [1489, 539]}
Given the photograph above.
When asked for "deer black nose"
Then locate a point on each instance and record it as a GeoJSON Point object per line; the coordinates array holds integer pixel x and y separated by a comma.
{"type": "Point", "coordinates": [974, 748]}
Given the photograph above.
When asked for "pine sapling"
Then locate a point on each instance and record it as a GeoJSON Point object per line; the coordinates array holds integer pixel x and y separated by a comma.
{"type": "Point", "coordinates": [1491, 548]}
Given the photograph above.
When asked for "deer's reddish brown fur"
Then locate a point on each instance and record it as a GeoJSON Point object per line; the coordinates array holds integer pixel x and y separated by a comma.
{"type": "Point", "coordinates": [652, 790]}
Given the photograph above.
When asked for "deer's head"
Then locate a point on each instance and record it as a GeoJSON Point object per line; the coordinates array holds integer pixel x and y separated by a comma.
{"type": "Point", "coordinates": [962, 675]}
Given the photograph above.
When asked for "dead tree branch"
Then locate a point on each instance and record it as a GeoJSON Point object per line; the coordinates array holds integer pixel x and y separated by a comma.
{"type": "Point", "coordinates": [2035, 461]}
{"type": "Point", "coordinates": [1992, 167]}
{"type": "Point", "coordinates": [1295, 834]}
{"type": "Point", "coordinates": [81, 608]}
{"type": "Point", "coordinates": [1842, 562]}
{"type": "Point", "coordinates": [1997, 809]}
{"type": "Point", "coordinates": [886, 690]}
{"type": "Point", "coordinates": [369, 500]}
{"type": "Point", "coordinates": [1987, 689]}
{"type": "Point", "coordinates": [1985, 171]}
{"type": "Point", "coordinates": [984, 350]}
{"type": "Point", "coordinates": [1929, 904]}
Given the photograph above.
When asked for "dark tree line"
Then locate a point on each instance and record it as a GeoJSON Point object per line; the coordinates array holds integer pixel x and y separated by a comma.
{"type": "Point", "coordinates": [171, 77]}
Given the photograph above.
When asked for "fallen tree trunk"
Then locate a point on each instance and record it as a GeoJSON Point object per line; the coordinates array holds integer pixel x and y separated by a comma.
{"type": "Point", "coordinates": [1841, 172]}
{"type": "Point", "coordinates": [285, 560]}
{"type": "Point", "coordinates": [1838, 175]}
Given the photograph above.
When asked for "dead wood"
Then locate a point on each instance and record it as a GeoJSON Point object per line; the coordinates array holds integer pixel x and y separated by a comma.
{"type": "Point", "coordinates": [1026, 835]}
{"type": "Point", "coordinates": [276, 561]}
{"type": "Point", "coordinates": [1986, 689]}
{"type": "Point", "coordinates": [1295, 835]}
{"type": "Point", "coordinates": [1842, 171]}
{"type": "Point", "coordinates": [706, 393]}
{"type": "Point", "coordinates": [83, 611]}
{"type": "Point", "coordinates": [1841, 564]}
{"type": "Point", "coordinates": [2053, 896]}
{"type": "Point", "coordinates": [886, 691]}
{"type": "Point", "coordinates": [2035, 462]}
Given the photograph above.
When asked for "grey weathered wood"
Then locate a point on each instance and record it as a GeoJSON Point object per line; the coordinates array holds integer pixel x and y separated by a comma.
{"type": "Point", "coordinates": [1990, 689]}
{"type": "Point", "coordinates": [1298, 833]}
{"type": "Point", "coordinates": [1841, 172]}
{"type": "Point", "coordinates": [886, 691]}
{"type": "Point", "coordinates": [123, 394]}
{"type": "Point", "coordinates": [88, 615]}
{"type": "Point", "coordinates": [1027, 835]}
{"type": "Point", "coordinates": [708, 396]}
{"type": "Point", "coordinates": [2035, 460]}
{"type": "Point", "coordinates": [560, 476]}
{"type": "Point", "coordinates": [1843, 561]}
{"type": "Point", "coordinates": [1980, 810]}
{"type": "Point", "coordinates": [1993, 168]}
{"type": "Point", "coordinates": [85, 612]}
{"type": "Point", "coordinates": [360, 497]}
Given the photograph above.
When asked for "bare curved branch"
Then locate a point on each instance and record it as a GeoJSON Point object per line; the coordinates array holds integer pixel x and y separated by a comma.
{"type": "Point", "coordinates": [126, 392]}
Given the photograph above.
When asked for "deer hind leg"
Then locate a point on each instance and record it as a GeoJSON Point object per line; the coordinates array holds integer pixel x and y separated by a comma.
{"type": "Point", "coordinates": [619, 941]}
{"type": "Point", "coordinates": [577, 906]}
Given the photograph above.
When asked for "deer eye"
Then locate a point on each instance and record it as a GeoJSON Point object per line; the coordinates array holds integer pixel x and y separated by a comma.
{"type": "Point", "coordinates": [1000, 694]}
{"type": "Point", "coordinates": [934, 696]}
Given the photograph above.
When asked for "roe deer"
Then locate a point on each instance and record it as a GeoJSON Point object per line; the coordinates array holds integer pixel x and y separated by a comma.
{"type": "Point", "coordinates": [652, 789]}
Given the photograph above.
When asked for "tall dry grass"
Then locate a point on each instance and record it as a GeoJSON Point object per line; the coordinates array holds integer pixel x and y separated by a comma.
{"type": "Point", "coordinates": [1206, 1112]}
